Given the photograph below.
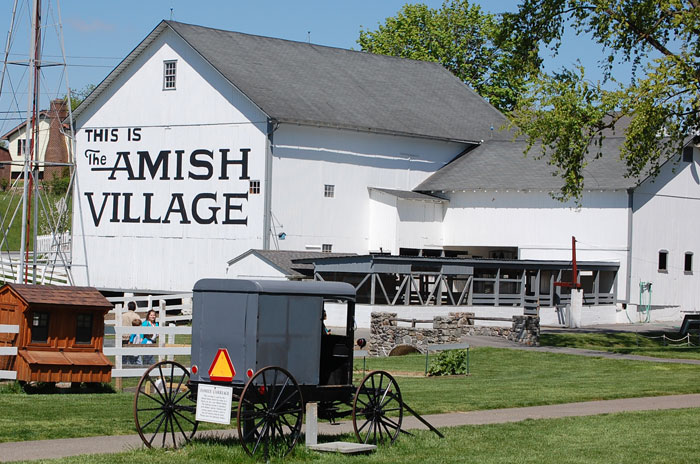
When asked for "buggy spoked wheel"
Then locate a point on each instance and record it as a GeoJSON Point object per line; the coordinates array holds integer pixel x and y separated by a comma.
{"type": "Point", "coordinates": [270, 412]}
{"type": "Point", "coordinates": [164, 411]}
{"type": "Point", "coordinates": [377, 410]}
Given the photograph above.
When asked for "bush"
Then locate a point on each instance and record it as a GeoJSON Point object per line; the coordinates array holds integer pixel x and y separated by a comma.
{"type": "Point", "coordinates": [10, 387]}
{"type": "Point", "coordinates": [58, 185]}
{"type": "Point", "coordinates": [4, 183]}
{"type": "Point", "coordinates": [450, 362]}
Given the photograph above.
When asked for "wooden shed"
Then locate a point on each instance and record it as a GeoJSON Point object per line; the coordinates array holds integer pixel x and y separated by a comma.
{"type": "Point", "coordinates": [61, 333]}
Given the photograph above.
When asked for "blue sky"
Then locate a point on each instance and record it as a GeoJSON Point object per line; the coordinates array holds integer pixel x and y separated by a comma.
{"type": "Point", "coordinates": [98, 33]}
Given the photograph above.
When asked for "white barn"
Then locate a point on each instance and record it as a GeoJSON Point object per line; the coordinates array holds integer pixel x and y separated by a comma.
{"type": "Point", "coordinates": [204, 144]}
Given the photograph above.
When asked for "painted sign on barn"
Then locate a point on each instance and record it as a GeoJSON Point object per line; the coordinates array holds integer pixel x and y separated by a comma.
{"type": "Point", "coordinates": [170, 183]}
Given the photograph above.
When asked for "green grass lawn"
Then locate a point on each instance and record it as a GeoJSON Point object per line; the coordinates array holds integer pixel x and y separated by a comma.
{"type": "Point", "coordinates": [10, 204]}
{"type": "Point", "coordinates": [500, 378]}
{"type": "Point", "coordinates": [624, 438]}
{"type": "Point", "coordinates": [649, 344]}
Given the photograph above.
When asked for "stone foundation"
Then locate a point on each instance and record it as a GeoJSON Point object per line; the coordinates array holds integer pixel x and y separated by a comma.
{"type": "Point", "coordinates": [385, 334]}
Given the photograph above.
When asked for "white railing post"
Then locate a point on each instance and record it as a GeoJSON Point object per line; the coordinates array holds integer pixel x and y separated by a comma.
{"type": "Point", "coordinates": [118, 338]}
{"type": "Point", "coordinates": [161, 322]}
{"type": "Point", "coordinates": [171, 341]}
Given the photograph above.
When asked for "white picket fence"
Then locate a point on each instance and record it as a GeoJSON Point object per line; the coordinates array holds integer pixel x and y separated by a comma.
{"type": "Point", "coordinates": [166, 330]}
{"type": "Point", "coordinates": [162, 303]}
{"type": "Point", "coordinates": [8, 350]}
{"type": "Point", "coordinates": [164, 349]}
{"type": "Point", "coordinates": [51, 243]}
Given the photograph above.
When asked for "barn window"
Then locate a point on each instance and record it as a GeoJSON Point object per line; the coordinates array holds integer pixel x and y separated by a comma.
{"type": "Point", "coordinates": [254, 187]}
{"type": "Point", "coordinates": [326, 247]}
{"type": "Point", "coordinates": [329, 191]}
{"type": "Point", "coordinates": [83, 331]}
{"type": "Point", "coordinates": [40, 327]}
{"type": "Point", "coordinates": [21, 147]}
{"type": "Point", "coordinates": [688, 154]}
{"type": "Point", "coordinates": [663, 261]}
{"type": "Point", "coordinates": [688, 264]}
{"type": "Point", "coordinates": [169, 73]}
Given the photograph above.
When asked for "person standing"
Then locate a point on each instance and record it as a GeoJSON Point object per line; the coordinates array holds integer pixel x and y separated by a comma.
{"type": "Point", "coordinates": [149, 339]}
{"type": "Point", "coordinates": [130, 318]}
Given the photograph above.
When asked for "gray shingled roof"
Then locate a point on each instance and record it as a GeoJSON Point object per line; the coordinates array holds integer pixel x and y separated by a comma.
{"type": "Point", "coordinates": [501, 164]}
{"type": "Point", "coordinates": [298, 82]}
{"type": "Point", "coordinates": [408, 195]}
{"type": "Point", "coordinates": [284, 260]}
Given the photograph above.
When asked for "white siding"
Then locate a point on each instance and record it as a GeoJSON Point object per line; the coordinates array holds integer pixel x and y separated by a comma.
{"type": "Point", "coordinates": [540, 226]}
{"type": "Point", "coordinates": [667, 216]}
{"type": "Point", "coordinates": [15, 137]}
{"type": "Point", "coordinates": [305, 159]}
{"type": "Point", "coordinates": [382, 222]}
{"type": "Point", "coordinates": [252, 267]}
{"type": "Point", "coordinates": [204, 113]}
{"type": "Point", "coordinates": [420, 224]}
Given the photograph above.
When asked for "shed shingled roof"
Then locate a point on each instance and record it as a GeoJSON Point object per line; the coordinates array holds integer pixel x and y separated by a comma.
{"type": "Point", "coordinates": [284, 260]}
{"type": "Point", "coordinates": [302, 83]}
{"type": "Point", "coordinates": [498, 164]}
{"type": "Point", "coordinates": [63, 296]}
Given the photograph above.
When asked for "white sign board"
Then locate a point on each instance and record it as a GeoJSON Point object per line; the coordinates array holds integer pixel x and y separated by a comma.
{"type": "Point", "coordinates": [214, 404]}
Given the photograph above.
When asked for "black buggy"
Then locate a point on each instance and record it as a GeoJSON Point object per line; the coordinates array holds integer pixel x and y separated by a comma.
{"type": "Point", "coordinates": [264, 345]}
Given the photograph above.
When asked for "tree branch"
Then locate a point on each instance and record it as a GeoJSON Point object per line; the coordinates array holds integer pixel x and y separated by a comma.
{"type": "Point", "coordinates": [642, 35]}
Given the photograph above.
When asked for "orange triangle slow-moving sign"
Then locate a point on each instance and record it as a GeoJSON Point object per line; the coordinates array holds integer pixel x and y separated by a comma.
{"type": "Point", "coordinates": [221, 369]}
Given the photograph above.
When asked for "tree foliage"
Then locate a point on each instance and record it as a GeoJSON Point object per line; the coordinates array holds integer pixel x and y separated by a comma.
{"type": "Point", "coordinates": [77, 96]}
{"type": "Point", "coordinates": [462, 38]}
{"type": "Point", "coordinates": [659, 106]}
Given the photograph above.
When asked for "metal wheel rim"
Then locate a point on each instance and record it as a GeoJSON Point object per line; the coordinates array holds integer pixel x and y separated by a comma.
{"type": "Point", "coordinates": [276, 413]}
{"type": "Point", "coordinates": [168, 410]}
{"type": "Point", "coordinates": [377, 395]}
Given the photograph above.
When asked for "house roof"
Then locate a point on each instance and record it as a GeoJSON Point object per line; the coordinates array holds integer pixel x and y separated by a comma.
{"type": "Point", "coordinates": [43, 114]}
{"type": "Point", "coordinates": [285, 260]}
{"type": "Point", "coordinates": [499, 164]}
{"type": "Point", "coordinates": [85, 297]}
{"type": "Point", "coordinates": [409, 195]}
{"type": "Point", "coordinates": [302, 83]}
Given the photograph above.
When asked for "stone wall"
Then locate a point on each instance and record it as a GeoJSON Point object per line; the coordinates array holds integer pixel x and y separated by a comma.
{"type": "Point", "coordinates": [385, 334]}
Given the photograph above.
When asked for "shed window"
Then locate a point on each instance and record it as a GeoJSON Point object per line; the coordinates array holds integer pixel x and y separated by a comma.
{"type": "Point", "coordinates": [329, 191]}
{"type": "Point", "coordinates": [663, 261]}
{"type": "Point", "coordinates": [169, 74]}
{"type": "Point", "coordinates": [40, 327]}
{"type": "Point", "coordinates": [254, 187]}
{"type": "Point", "coordinates": [688, 264]}
{"type": "Point", "coordinates": [83, 331]}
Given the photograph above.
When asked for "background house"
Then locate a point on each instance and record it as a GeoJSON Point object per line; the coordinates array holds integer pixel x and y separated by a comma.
{"type": "Point", "coordinates": [54, 144]}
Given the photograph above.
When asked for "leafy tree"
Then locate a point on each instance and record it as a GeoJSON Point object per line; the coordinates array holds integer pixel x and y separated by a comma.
{"type": "Point", "coordinates": [77, 96]}
{"type": "Point", "coordinates": [463, 39]}
{"type": "Point", "coordinates": [657, 110]}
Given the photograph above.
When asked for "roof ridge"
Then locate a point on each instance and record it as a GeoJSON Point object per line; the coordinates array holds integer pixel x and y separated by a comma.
{"type": "Point", "coordinates": [333, 47]}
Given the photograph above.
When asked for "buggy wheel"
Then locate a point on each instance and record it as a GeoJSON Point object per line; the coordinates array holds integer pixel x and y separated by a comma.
{"type": "Point", "coordinates": [377, 397]}
{"type": "Point", "coordinates": [164, 410]}
{"type": "Point", "coordinates": [270, 412]}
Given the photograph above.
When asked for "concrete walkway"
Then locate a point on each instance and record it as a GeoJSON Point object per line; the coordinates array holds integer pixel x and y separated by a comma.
{"type": "Point", "coordinates": [52, 449]}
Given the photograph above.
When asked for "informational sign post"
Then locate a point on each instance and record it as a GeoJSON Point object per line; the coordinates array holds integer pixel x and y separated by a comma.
{"type": "Point", "coordinates": [214, 404]}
